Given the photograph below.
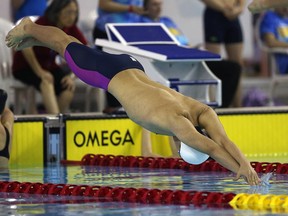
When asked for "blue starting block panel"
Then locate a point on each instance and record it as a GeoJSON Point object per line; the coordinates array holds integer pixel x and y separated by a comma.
{"type": "Point", "coordinates": [140, 33]}
{"type": "Point", "coordinates": [164, 60]}
{"type": "Point", "coordinates": [155, 38]}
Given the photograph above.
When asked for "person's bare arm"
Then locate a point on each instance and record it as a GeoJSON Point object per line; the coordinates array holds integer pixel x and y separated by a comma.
{"type": "Point", "coordinates": [260, 5]}
{"type": "Point", "coordinates": [16, 4]}
{"type": "Point", "coordinates": [175, 146]}
{"type": "Point", "coordinates": [209, 120]}
{"type": "Point", "coordinates": [277, 3]}
{"type": "Point", "coordinates": [114, 7]}
{"type": "Point", "coordinates": [30, 57]}
{"type": "Point", "coordinates": [236, 10]}
{"type": "Point", "coordinates": [7, 119]}
{"type": "Point", "coordinates": [271, 41]}
{"type": "Point", "coordinates": [110, 6]}
{"type": "Point", "coordinates": [216, 4]}
{"type": "Point", "coordinates": [146, 146]}
{"type": "Point", "coordinates": [241, 4]}
{"type": "Point", "coordinates": [239, 7]}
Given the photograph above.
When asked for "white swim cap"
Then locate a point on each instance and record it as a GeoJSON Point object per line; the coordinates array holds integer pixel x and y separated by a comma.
{"type": "Point", "coordinates": [192, 156]}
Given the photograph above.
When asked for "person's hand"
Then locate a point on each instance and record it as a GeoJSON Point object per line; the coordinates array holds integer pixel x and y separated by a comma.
{"type": "Point", "coordinates": [68, 83]}
{"type": "Point", "coordinates": [46, 76]}
{"type": "Point", "coordinates": [233, 13]}
{"type": "Point", "coordinates": [138, 10]}
{"type": "Point", "coordinates": [249, 175]}
{"type": "Point", "coordinates": [257, 6]}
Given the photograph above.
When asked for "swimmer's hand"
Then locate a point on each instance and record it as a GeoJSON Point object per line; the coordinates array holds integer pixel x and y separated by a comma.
{"type": "Point", "coordinates": [249, 175]}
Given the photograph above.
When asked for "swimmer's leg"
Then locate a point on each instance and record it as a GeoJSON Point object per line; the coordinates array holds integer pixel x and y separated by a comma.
{"type": "Point", "coordinates": [81, 60]}
{"type": "Point", "coordinates": [28, 33]}
{"type": "Point", "coordinates": [32, 34]}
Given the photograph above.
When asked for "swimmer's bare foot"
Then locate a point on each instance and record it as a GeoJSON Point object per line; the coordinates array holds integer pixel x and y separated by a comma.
{"type": "Point", "coordinates": [26, 42]}
{"type": "Point", "coordinates": [17, 34]}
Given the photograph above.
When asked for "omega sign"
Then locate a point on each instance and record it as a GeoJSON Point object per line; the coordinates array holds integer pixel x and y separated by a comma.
{"type": "Point", "coordinates": [102, 138]}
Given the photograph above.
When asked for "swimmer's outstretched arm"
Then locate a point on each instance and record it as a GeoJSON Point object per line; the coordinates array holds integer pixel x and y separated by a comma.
{"type": "Point", "coordinates": [261, 5]}
{"type": "Point", "coordinates": [28, 33]}
{"type": "Point", "coordinates": [218, 146]}
{"type": "Point", "coordinates": [210, 121]}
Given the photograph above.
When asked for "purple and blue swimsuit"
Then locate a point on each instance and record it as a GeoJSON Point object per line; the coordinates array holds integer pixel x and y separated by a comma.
{"type": "Point", "coordinates": [96, 67]}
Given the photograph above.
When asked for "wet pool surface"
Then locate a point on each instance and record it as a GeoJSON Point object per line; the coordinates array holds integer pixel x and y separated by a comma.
{"type": "Point", "coordinates": [162, 179]}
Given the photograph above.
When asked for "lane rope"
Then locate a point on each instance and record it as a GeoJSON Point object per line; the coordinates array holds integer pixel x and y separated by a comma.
{"type": "Point", "coordinates": [169, 163]}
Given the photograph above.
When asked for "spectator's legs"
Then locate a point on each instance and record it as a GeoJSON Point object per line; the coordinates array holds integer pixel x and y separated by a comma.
{"type": "Point", "coordinates": [213, 47]}
{"type": "Point", "coordinates": [234, 52]}
{"type": "Point", "coordinates": [229, 73]}
{"type": "Point", "coordinates": [49, 98]}
{"type": "Point", "coordinates": [64, 100]}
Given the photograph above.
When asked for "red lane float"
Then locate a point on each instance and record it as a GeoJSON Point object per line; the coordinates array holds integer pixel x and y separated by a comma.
{"type": "Point", "coordinates": [172, 163]}
{"type": "Point", "coordinates": [119, 194]}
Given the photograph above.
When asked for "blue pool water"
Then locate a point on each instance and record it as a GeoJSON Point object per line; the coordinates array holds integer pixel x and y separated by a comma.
{"type": "Point", "coordinates": [20, 204]}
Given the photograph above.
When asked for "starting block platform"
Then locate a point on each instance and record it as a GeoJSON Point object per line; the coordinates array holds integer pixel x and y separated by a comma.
{"type": "Point", "coordinates": [165, 60]}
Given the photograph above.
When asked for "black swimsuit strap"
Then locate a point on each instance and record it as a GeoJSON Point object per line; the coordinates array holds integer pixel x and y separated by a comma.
{"type": "Point", "coordinates": [5, 151]}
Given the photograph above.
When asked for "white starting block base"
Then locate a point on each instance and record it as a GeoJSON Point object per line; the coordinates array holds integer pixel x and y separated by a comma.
{"type": "Point", "coordinates": [188, 75]}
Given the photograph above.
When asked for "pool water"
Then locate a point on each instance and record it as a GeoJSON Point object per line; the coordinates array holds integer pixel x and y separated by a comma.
{"type": "Point", "coordinates": [162, 179]}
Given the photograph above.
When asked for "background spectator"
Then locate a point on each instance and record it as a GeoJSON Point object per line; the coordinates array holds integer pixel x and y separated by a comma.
{"type": "Point", "coordinates": [37, 67]}
{"type": "Point", "coordinates": [153, 10]}
{"type": "Point", "coordinates": [222, 69]}
{"type": "Point", "coordinates": [222, 26]}
{"type": "Point", "coordinates": [22, 8]}
{"type": "Point", "coordinates": [273, 32]}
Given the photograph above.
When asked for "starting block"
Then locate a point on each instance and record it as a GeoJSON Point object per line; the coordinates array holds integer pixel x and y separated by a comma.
{"type": "Point", "coordinates": [165, 60]}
